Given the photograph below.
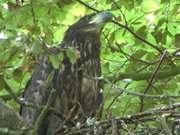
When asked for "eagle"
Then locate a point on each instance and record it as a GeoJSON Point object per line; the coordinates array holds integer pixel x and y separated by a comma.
{"type": "Point", "coordinates": [78, 88]}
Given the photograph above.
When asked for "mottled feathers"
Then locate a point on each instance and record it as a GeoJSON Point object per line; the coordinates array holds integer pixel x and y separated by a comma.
{"type": "Point", "coordinates": [77, 84]}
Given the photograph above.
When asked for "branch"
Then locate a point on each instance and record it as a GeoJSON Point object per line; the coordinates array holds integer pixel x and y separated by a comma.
{"type": "Point", "coordinates": [132, 32]}
{"type": "Point", "coordinates": [152, 77]}
{"type": "Point", "coordinates": [32, 12]}
{"type": "Point", "coordinates": [88, 6]}
{"type": "Point", "coordinates": [154, 97]}
{"type": "Point", "coordinates": [144, 76]}
{"type": "Point", "coordinates": [146, 116]}
{"type": "Point", "coordinates": [45, 111]}
{"type": "Point", "coordinates": [156, 111]}
{"type": "Point", "coordinates": [28, 104]}
{"type": "Point", "coordinates": [165, 125]}
{"type": "Point", "coordinates": [137, 36]}
{"type": "Point", "coordinates": [10, 122]}
{"type": "Point", "coordinates": [11, 92]}
{"type": "Point", "coordinates": [123, 26]}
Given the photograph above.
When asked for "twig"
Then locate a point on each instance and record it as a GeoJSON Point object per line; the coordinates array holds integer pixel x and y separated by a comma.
{"type": "Point", "coordinates": [134, 58]}
{"type": "Point", "coordinates": [155, 72]}
{"type": "Point", "coordinates": [144, 76]}
{"type": "Point", "coordinates": [151, 79]}
{"type": "Point", "coordinates": [132, 32]}
{"type": "Point", "coordinates": [157, 97]}
{"type": "Point", "coordinates": [114, 127]}
{"type": "Point", "coordinates": [45, 111]}
{"type": "Point", "coordinates": [146, 116]}
{"type": "Point", "coordinates": [138, 36]}
{"type": "Point", "coordinates": [88, 6]}
{"type": "Point", "coordinates": [11, 92]}
{"type": "Point", "coordinates": [165, 125]}
{"type": "Point", "coordinates": [28, 104]}
{"type": "Point", "coordinates": [32, 11]}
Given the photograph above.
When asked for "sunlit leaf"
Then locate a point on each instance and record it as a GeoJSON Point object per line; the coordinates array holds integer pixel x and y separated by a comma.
{"type": "Point", "coordinates": [72, 54]}
{"type": "Point", "coordinates": [177, 40]}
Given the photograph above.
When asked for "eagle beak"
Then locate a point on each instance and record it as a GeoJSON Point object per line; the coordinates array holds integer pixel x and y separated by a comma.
{"type": "Point", "coordinates": [102, 17]}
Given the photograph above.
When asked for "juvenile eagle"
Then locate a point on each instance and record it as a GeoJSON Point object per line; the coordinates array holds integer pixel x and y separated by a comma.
{"type": "Point", "coordinates": [76, 83]}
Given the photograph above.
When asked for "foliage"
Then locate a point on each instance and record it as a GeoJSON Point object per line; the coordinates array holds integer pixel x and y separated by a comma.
{"type": "Point", "coordinates": [130, 62]}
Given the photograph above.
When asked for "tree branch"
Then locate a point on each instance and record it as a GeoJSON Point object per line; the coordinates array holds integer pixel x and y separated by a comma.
{"type": "Point", "coordinates": [144, 76]}
{"type": "Point", "coordinates": [45, 111]}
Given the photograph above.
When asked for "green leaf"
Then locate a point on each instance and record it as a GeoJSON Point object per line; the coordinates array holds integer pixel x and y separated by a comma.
{"type": "Point", "coordinates": [129, 4]}
{"type": "Point", "coordinates": [142, 31]}
{"type": "Point", "coordinates": [18, 74]}
{"type": "Point", "coordinates": [72, 54]}
{"type": "Point", "coordinates": [165, 1]}
{"type": "Point", "coordinates": [54, 61]}
{"type": "Point", "coordinates": [37, 48]}
{"type": "Point", "coordinates": [177, 40]}
{"type": "Point", "coordinates": [35, 29]}
{"type": "Point", "coordinates": [2, 83]}
{"type": "Point", "coordinates": [150, 5]}
{"type": "Point", "coordinates": [160, 36]}
{"type": "Point", "coordinates": [139, 54]}
{"type": "Point", "coordinates": [106, 67]}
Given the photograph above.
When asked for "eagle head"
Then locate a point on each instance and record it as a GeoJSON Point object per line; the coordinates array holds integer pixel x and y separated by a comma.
{"type": "Point", "coordinates": [93, 22]}
{"type": "Point", "coordinates": [90, 24]}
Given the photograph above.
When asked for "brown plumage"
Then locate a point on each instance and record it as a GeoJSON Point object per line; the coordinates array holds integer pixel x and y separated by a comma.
{"type": "Point", "coordinates": [77, 86]}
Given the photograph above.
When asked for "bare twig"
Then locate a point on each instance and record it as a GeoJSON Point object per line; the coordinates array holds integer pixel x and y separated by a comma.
{"type": "Point", "coordinates": [142, 117]}
{"type": "Point", "coordinates": [88, 6]}
{"type": "Point", "coordinates": [44, 111]}
{"type": "Point", "coordinates": [32, 11]}
{"type": "Point", "coordinates": [165, 125]}
{"type": "Point", "coordinates": [151, 80]}
{"type": "Point", "coordinates": [114, 127]}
